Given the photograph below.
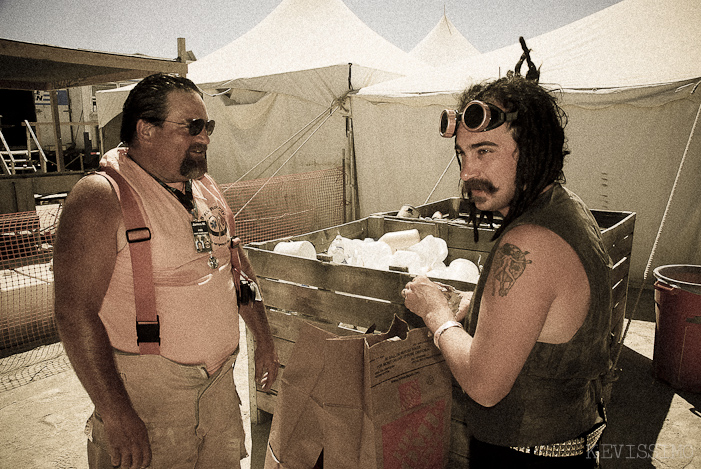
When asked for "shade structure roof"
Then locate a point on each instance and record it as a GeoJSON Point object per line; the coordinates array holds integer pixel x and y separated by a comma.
{"type": "Point", "coordinates": [30, 66]}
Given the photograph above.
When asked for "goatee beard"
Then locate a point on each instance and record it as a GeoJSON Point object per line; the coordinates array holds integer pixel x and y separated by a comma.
{"type": "Point", "coordinates": [194, 167]}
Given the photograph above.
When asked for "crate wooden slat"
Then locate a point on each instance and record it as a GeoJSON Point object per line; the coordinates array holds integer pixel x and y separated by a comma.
{"type": "Point", "coordinates": [617, 234]}
{"type": "Point", "coordinates": [347, 299]}
{"type": "Point", "coordinates": [326, 276]}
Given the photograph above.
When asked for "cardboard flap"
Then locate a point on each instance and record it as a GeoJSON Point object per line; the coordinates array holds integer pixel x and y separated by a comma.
{"type": "Point", "coordinates": [296, 435]}
{"type": "Point", "coordinates": [399, 328]}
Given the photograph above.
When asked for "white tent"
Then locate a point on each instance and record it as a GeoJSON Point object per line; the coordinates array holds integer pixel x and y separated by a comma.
{"type": "Point", "coordinates": [304, 48]}
{"type": "Point", "coordinates": [443, 45]}
{"type": "Point", "coordinates": [628, 76]}
{"type": "Point", "coordinates": [292, 69]}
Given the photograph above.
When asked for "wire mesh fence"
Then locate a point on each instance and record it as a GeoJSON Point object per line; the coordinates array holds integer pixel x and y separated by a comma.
{"type": "Point", "coordinates": [26, 367]}
{"type": "Point", "coordinates": [286, 205]}
{"type": "Point", "coordinates": [26, 279]}
{"type": "Point", "coordinates": [29, 348]}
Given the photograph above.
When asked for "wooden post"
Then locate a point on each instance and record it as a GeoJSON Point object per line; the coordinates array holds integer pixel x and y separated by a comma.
{"type": "Point", "coordinates": [101, 138]}
{"type": "Point", "coordinates": [29, 145]}
{"type": "Point", "coordinates": [53, 94]}
{"type": "Point", "coordinates": [182, 52]}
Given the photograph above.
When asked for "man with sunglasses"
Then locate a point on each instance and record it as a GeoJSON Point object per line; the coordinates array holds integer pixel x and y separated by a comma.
{"type": "Point", "coordinates": [533, 352]}
{"type": "Point", "coordinates": [146, 275]}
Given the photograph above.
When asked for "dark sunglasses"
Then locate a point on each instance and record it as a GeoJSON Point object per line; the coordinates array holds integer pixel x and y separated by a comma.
{"type": "Point", "coordinates": [476, 117]}
{"type": "Point", "coordinates": [195, 126]}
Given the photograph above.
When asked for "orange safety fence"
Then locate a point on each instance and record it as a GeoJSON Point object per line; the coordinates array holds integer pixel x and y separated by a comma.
{"type": "Point", "coordinates": [285, 206]}
{"type": "Point", "coordinates": [26, 279]}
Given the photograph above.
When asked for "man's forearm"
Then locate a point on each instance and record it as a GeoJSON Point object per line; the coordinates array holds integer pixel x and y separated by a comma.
{"type": "Point", "coordinates": [257, 321]}
{"type": "Point", "coordinates": [91, 355]}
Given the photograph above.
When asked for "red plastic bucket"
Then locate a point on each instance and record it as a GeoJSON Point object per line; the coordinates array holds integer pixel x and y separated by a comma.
{"type": "Point", "coordinates": [677, 354]}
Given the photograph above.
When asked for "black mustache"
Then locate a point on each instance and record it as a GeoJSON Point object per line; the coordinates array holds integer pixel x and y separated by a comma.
{"type": "Point", "coordinates": [477, 185]}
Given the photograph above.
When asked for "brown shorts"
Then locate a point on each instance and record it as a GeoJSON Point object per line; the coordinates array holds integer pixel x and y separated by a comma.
{"type": "Point", "coordinates": [193, 419]}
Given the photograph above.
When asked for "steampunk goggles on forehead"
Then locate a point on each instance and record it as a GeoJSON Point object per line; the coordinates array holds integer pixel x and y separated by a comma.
{"type": "Point", "coordinates": [477, 116]}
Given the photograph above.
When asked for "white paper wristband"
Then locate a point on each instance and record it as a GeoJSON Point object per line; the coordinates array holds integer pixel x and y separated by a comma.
{"type": "Point", "coordinates": [445, 326]}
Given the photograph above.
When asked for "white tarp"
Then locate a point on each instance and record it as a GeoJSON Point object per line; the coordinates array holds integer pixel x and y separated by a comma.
{"type": "Point", "coordinates": [444, 44]}
{"type": "Point", "coordinates": [628, 76]}
{"type": "Point", "coordinates": [304, 48]}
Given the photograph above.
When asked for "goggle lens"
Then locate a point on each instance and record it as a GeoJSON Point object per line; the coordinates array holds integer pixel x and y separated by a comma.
{"type": "Point", "coordinates": [448, 122]}
{"type": "Point", "coordinates": [474, 117]}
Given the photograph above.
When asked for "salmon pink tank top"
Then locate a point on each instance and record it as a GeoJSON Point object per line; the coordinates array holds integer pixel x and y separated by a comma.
{"type": "Point", "coordinates": [196, 304]}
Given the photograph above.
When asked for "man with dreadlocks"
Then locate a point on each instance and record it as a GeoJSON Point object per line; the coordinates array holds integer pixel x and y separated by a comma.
{"type": "Point", "coordinates": [534, 352]}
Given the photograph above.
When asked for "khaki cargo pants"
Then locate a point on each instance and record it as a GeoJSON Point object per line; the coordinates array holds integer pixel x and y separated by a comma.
{"type": "Point", "coordinates": [193, 419]}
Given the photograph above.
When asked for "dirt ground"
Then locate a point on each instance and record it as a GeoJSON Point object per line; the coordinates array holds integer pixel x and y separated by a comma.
{"type": "Point", "coordinates": [651, 425]}
{"type": "Point", "coordinates": [43, 421]}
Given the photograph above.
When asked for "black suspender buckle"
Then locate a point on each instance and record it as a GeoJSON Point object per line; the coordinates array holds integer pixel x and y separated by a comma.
{"type": "Point", "coordinates": [148, 331]}
{"type": "Point", "coordinates": [137, 235]}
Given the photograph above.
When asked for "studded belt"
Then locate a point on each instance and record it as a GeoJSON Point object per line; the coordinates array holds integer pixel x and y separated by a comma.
{"type": "Point", "coordinates": [574, 447]}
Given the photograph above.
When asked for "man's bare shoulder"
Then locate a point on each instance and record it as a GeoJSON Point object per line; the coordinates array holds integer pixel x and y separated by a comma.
{"type": "Point", "coordinates": [549, 256]}
{"type": "Point", "coordinates": [537, 239]}
{"type": "Point", "coordinates": [93, 184]}
{"type": "Point", "coordinates": [92, 199]}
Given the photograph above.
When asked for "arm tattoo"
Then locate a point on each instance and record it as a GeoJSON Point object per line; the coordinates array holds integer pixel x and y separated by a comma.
{"type": "Point", "coordinates": [509, 264]}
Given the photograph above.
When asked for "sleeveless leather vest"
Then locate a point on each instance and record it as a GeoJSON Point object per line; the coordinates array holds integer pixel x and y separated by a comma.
{"type": "Point", "coordinates": [556, 395]}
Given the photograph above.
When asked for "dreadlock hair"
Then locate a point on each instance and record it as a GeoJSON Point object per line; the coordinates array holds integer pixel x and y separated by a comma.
{"type": "Point", "coordinates": [538, 132]}
{"type": "Point", "coordinates": [148, 100]}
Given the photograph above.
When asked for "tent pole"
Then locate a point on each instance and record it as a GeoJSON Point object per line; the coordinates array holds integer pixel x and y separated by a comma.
{"type": "Point", "coordinates": [344, 175]}
{"type": "Point", "coordinates": [355, 198]}
{"type": "Point", "coordinates": [353, 172]}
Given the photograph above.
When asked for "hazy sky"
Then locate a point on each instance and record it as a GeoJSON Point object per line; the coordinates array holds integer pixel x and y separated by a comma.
{"type": "Point", "coordinates": [152, 27]}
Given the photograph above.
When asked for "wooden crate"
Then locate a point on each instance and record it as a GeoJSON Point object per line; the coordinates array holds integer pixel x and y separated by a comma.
{"type": "Point", "coordinates": [346, 299]}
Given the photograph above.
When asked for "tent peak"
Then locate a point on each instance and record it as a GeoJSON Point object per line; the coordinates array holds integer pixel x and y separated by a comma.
{"type": "Point", "coordinates": [444, 44]}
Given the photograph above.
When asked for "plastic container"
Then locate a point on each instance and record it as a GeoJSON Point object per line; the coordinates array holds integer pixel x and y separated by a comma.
{"type": "Point", "coordinates": [398, 240]}
{"type": "Point", "coordinates": [431, 250]}
{"type": "Point", "coordinates": [296, 248]}
{"type": "Point", "coordinates": [464, 269]}
{"type": "Point", "coordinates": [376, 254]}
{"type": "Point", "coordinates": [408, 259]}
{"type": "Point", "coordinates": [337, 250]}
{"type": "Point", "coordinates": [677, 354]}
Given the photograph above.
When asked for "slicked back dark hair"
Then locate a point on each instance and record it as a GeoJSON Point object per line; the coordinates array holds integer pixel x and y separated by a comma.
{"type": "Point", "coordinates": [539, 133]}
{"type": "Point", "coordinates": [148, 100]}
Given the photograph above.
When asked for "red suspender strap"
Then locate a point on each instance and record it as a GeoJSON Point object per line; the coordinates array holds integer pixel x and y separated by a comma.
{"type": "Point", "coordinates": [234, 251]}
{"type": "Point", "coordinates": [235, 265]}
{"type": "Point", "coordinates": [139, 238]}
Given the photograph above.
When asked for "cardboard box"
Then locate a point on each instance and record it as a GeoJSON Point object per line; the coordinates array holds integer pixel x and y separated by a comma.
{"type": "Point", "coordinates": [370, 401]}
